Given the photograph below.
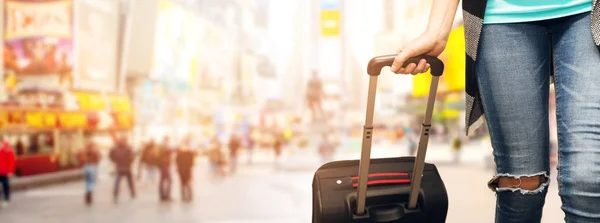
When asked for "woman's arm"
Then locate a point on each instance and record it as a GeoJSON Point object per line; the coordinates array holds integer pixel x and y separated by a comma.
{"type": "Point", "coordinates": [441, 17]}
{"type": "Point", "coordinates": [432, 42]}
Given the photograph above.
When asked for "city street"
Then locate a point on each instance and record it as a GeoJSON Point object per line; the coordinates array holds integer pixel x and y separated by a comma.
{"type": "Point", "coordinates": [258, 193]}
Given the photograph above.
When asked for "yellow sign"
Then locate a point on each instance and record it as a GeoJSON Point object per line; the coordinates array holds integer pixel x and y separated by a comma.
{"type": "Point", "coordinates": [90, 101]}
{"type": "Point", "coordinates": [35, 119]}
{"type": "Point", "coordinates": [330, 22]}
{"type": "Point", "coordinates": [3, 118]}
{"type": "Point", "coordinates": [16, 117]}
{"type": "Point", "coordinates": [119, 103]}
{"type": "Point", "coordinates": [72, 120]}
{"type": "Point", "coordinates": [50, 119]}
{"type": "Point", "coordinates": [454, 67]}
{"type": "Point", "coordinates": [124, 120]}
{"type": "Point", "coordinates": [421, 84]}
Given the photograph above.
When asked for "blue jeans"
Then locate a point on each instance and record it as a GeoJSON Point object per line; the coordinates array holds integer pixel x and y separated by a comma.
{"type": "Point", "coordinates": [90, 173]}
{"type": "Point", "coordinates": [513, 67]}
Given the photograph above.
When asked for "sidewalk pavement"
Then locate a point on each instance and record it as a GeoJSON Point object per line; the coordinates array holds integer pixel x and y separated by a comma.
{"type": "Point", "coordinates": [257, 193]}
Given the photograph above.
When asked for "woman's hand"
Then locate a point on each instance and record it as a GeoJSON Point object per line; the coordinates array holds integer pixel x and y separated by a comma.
{"type": "Point", "coordinates": [429, 43]}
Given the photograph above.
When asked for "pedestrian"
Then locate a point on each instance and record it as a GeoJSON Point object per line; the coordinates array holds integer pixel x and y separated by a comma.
{"type": "Point", "coordinates": [148, 160]}
{"type": "Point", "coordinates": [216, 158]}
{"type": "Point", "coordinates": [122, 156]}
{"type": "Point", "coordinates": [7, 169]}
{"type": "Point", "coordinates": [234, 147]}
{"type": "Point", "coordinates": [185, 162]}
{"type": "Point", "coordinates": [277, 148]}
{"type": "Point", "coordinates": [251, 139]}
{"type": "Point", "coordinates": [314, 95]}
{"type": "Point", "coordinates": [164, 165]}
{"type": "Point", "coordinates": [90, 157]}
{"type": "Point", "coordinates": [512, 49]}
{"type": "Point", "coordinates": [20, 147]}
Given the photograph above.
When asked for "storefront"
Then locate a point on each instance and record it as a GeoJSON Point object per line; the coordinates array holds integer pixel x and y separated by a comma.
{"type": "Point", "coordinates": [47, 137]}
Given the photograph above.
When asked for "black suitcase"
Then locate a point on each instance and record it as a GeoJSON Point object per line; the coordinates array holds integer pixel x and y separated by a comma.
{"type": "Point", "coordinates": [396, 191]}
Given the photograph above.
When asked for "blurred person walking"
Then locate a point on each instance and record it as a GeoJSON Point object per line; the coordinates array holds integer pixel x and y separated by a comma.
{"type": "Point", "coordinates": [314, 96]}
{"type": "Point", "coordinates": [122, 156]}
{"type": "Point", "coordinates": [20, 147]}
{"type": "Point", "coordinates": [185, 162]}
{"type": "Point", "coordinates": [235, 145]}
{"type": "Point", "coordinates": [164, 165]}
{"type": "Point", "coordinates": [148, 161]}
{"type": "Point", "coordinates": [512, 49]}
{"type": "Point", "coordinates": [7, 169]}
{"type": "Point", "coordinates": [277, 148]}
{"type": "Point", "coordinates": [216, 158]}
{"type": "Point", "coordinates": [90, 157]}
{"type": "Point", "coordinates": [251, 140]}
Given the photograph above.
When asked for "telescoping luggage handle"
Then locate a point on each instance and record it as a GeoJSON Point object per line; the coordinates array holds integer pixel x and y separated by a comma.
{"type": "Point", "coordinates": [374, 69]}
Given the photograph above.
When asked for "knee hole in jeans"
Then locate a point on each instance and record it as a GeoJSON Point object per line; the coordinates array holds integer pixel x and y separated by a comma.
{"type": "Point", "coordinates": [526, 184]}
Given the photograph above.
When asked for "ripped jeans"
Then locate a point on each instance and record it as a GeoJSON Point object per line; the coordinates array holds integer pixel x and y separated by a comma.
{"type": "Point", "coordinates": [513, 67]}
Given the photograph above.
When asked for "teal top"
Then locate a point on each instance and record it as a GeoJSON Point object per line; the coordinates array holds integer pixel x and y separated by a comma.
{"type": "Point", "coordinates": [514, 11]}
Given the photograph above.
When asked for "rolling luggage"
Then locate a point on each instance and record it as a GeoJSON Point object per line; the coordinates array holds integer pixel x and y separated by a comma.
{"type": "Point", "coordinates": [395, 190]}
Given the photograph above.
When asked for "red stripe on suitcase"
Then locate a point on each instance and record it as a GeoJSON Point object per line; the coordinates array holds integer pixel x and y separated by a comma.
{"type": "Point", "coordinates": [383, 175]}
{"type": "Point", "coordinates": [380, 182]}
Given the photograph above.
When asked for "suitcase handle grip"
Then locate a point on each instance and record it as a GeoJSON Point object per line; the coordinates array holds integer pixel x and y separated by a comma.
{"type": "Point", "coordinates": [377, 63]}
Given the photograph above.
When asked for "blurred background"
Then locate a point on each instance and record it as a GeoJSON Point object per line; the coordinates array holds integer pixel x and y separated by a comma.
{"type": "Point", "coordinates": [262, 92]}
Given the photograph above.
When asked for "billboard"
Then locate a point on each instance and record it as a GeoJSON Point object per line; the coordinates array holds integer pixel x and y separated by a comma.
{"type": "Point", "coordinates": [330, 18]}
{"type": "Point", "coordinates": [454, 72]}
{"type": "Point", "coordinates": [38, 43]}
{"type": "Point", "coordinates": [96, 48]}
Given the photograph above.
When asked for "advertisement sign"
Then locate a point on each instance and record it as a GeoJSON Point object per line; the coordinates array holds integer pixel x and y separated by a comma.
{"type": "Point", "coordinates": [97, 30]}
{"type": "Point", "coordinates": [330, 22]}
{"type": "Point", "coordinates": [330, 18]}
{"type": "Point", "coordinates": [177, 37]}
{"type": "Point", "coordinates": [455, 64]}
{"type": "Point", "coordinates": [454, 67]}
{"type": "Point", "coordinates": [38, 43]}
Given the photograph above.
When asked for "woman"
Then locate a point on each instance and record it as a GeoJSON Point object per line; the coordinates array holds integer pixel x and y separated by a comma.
{"type": "Point", "coordinates": [512, 48]}
{"type": "Point", "coordinates": [90, 158]}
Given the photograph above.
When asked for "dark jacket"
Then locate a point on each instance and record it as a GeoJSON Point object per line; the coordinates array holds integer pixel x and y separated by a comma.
{"type": "Point", "coordinates": [164, 158]}
{"type": "Point", "coordinates": [473, 14]}
{"type": "Point", "coordinates": [149, 155]}
{"type": "Point", "coordinates": [122, 155]}
{"type": "Point", "coordinates": [90, 155]}
{"type": "Point", "coordinates": [185, 159]}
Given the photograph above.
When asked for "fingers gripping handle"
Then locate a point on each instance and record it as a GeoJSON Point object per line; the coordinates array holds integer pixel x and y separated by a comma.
{"type": "Point", "coordinates": [377, 63]}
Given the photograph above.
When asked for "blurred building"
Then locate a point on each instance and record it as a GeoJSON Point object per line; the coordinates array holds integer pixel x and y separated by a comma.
{"type": "Point", "coordinates": [186, 60]}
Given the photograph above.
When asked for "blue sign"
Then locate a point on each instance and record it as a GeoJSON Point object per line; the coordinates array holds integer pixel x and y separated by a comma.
{"type": "Point", "coordinates": [330, 4]}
